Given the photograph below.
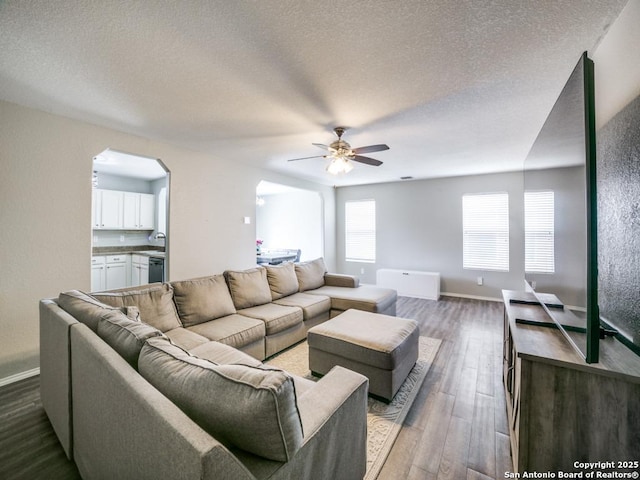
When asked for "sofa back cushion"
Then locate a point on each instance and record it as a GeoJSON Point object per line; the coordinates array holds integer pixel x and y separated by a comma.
{"type": "Point", "coordinates": [249, 287]}
{"type": "Point", "coordinates": [125, 336]}
{"type": "Point", "coordinates": [202, 299]}
{"type": "Point", "coordinates": [251, 408]}
{"type": "Point", "coordinates": [310, 274]}
{"type": "Point", "coordinates": [155, 303]}
{"type": "Point", "coordinates": [282, 280]}
{"type": "Point", "coordinates": [85, 308]}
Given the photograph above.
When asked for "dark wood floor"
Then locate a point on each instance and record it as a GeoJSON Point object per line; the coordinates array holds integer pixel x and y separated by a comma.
{"type": "Point", "coordinates": [455, 430]}
{"type": "Point", "coordinates": [29, 450]}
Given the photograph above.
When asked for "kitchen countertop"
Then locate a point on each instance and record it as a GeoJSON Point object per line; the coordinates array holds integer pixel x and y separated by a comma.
{"type": "Point", "coordinates": [147, 250]}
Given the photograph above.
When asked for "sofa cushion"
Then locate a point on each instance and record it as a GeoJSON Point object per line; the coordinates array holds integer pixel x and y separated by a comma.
{"type": "Point", "coordinates": [202, 299]}
{"type": "Point", "coordinates": [276, 318]}
{"type": "Point", "coordinates": [312, 305]}
{"type": "Point", "coordinates": [251, 408]}
{"type": "Point", "coordinates": [310, 274]}
{"type": "Point", "coordinates": [223, 354]}
{"type": "Point", "coordinates": [282, 280]}
{"type": "Point", "coordinates": [249, 287]}
{"type": "Point", "coordinates": [125, 336]}
{"type": "Point", "coordinates": [366, 297]}
{"type": "Point", "coordinates": [155, 303]}
{"type": "Point", "coordinates": [84, 308]}
{"type": "Point", "coordinates": [235, 330]}
{"type": "Point", "coordinates": [186, 338]}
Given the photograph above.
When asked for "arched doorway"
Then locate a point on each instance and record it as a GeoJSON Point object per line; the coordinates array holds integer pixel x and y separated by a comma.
{"type": "Point", "coordinates": [289, 219]}
{"type": "Point", "coordinates": [130, 220]}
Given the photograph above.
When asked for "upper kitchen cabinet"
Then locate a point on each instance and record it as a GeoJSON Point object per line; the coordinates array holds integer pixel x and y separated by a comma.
{"type": "Point", "coordinates": [139, 211]}
{"type": "Point", "coordinates": [115, 210]}
{"type": "Point", "coordinates": [107, 209]}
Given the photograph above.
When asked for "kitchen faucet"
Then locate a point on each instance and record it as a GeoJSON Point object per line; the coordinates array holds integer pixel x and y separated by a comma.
{"type": "Point", "coordinates": [161, 236]}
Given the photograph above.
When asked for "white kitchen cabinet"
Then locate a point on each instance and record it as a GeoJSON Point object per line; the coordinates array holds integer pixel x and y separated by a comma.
{"type": "Point", "coordinates": [139, 270]}
{"type": "Point", "coordinates": [139, 211]}
{"type": "Point", "coordinates": [147, 211]}
{"type": "Point", "coordinates": [107, 209]}
{"type": "Point", "coordinates": [116, 268]}
{"type": "Point", "coordinates": [98, 274]}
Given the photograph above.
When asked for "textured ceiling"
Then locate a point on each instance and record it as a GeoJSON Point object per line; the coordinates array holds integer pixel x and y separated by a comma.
{"type": "Point", "coordinates": [453, 87]}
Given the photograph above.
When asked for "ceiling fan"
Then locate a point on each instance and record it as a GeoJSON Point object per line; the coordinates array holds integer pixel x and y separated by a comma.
{"type": "Point", "coordinates": [341, 154]}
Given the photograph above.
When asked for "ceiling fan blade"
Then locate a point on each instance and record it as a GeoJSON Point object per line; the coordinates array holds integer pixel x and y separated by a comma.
{"type": "Point", "coordinates": [305, 158]}
{"type": "Point", "coordinates": [366, 160]}
{"type": "Point", "coordinates": [371, 148]}
{"type": "Point", "coordinates": [326, 147]}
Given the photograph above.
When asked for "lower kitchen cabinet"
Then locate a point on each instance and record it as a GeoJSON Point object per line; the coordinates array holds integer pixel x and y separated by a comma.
{"type": "Point", "coordinates": [98, 274]}
{"type": "Point", "coordinates": [116, 268]}
{"type": "Point", "coordinates": [139, 270]}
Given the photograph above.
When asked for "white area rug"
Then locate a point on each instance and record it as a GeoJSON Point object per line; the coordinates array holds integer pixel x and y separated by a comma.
{"type": "Point", "coordinates": [383, 421]}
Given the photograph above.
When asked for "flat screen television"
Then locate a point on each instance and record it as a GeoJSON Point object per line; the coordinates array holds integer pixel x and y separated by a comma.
{"type": "Point", "coordinates": [562, 163]}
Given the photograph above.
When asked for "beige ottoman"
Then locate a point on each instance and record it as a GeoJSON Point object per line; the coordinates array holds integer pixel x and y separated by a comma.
{"type": "Point", "coordinates": [380, 347]}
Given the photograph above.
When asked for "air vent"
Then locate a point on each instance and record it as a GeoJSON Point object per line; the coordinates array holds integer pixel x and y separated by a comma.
{"type": "Point", "coordinates": [406, 178]}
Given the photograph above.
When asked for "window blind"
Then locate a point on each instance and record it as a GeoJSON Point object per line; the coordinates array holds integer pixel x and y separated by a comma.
{"type": "Point", "coordinates": [539, 232]}
{"type": "Point", "coordinates": [485, 227]}
{"type": "Point", "coordinates": [360, 231]}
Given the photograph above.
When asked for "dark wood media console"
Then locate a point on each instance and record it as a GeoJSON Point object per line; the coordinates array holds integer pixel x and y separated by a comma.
{"type": "Point", "coordinates": [560, 409]}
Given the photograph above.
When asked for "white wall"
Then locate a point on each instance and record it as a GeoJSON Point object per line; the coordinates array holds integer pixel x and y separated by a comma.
{"type": "Point", "coordinates": [617, 66]}
{"type": "Point", "coordinates": [45, 216]}
{"type": "Point", "coordinates": [292, 220]}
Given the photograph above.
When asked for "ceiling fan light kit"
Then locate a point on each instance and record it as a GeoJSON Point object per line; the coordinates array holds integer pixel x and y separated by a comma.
{"type": "Point", "coordinates": [339, 165]}
{"type": "Point", "coordinates": [342, 155]}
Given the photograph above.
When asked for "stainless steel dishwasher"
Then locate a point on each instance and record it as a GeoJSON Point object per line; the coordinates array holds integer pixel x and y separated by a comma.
{"type": "Point", "coordinates": [156, 269]}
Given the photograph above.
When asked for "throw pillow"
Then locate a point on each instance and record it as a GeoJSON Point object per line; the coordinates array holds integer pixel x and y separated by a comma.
{"type": "Point", "coordinates": [311, 274]}
{"type": "Point", "coordinates": [125, 336]}
{"type": "Point", "coordinates": [249, 287]}
{"type": "Point", "coordinates": [202, 299]}
{"type": "Point", "coordinates": [251, 408]}
{"type": "Point", "coordinates": [132, 313]}
{"type": "Point", "coordinates": [282, 280]}
{"type": "Point", "coordinates": [155, 303]}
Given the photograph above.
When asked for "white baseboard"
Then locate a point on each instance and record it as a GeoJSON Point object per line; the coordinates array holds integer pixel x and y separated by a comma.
{"type": "Point", "coordinates": [473, 297]}
{"type": "Point", "coordinates": [19, 376]}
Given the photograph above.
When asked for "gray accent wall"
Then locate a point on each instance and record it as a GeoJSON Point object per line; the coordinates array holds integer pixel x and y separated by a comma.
{"type": "Point", "coordinates": [419, 227]}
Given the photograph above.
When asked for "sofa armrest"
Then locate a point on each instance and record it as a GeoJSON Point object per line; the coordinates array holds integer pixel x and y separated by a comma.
{"type": "Point", "coordinates": [55, 370]}
{"type": "Point", "coordinates": [328, 395]}
{"type": "Point", "coordinates": [334, 421]}
{"type": "Point", "coordinates": [340, 280]}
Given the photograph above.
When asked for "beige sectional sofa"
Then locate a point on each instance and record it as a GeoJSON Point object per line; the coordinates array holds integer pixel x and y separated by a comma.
{"type": "Point", "coordinates": [166, 380]}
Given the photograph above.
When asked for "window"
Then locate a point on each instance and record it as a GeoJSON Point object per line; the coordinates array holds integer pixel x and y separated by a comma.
{"type": "Point", "coordinates": [485, 230]}
{"type": "Point", "coordinates": [360, 231]}
{"type": "Point", "coordinates": [539, 232]}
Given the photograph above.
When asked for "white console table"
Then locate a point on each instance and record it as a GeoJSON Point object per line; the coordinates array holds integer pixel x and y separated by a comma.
{"type": "Point", "coordinates": [410, 283]}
